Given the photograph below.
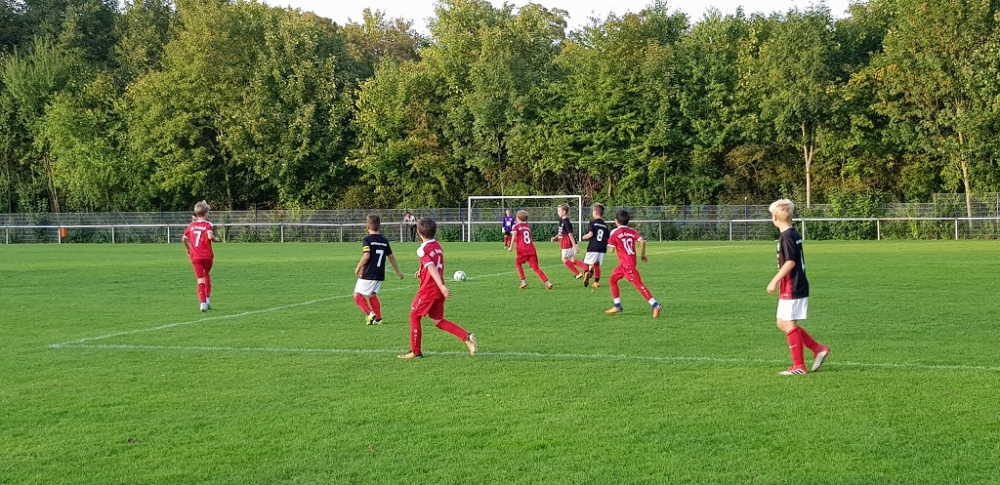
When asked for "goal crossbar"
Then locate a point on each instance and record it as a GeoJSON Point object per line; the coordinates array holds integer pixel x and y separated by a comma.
{"type": "Point", "coordinates": [579, 207]}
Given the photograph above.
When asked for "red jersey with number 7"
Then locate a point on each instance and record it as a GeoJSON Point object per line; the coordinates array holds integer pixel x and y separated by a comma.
{"type": "Point", "coordinates": [521, 232]}
{"type": "Point", "coordinates": [625, 239]}
{"type": "Point", "coordinates": [431, 259]}
{"type": "Point", "coordinates": [200, 235]}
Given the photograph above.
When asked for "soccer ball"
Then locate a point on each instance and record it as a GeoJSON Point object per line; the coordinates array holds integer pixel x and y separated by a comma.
{"type": "Point", "coordinates": [460, 276]}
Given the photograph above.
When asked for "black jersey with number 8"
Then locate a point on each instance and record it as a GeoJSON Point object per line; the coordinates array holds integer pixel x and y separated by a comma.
{"type": "Point", "coordinates": [599, 236]}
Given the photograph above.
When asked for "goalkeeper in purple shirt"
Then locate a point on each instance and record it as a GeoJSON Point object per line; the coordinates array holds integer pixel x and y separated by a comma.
{"type": "Point", "coordinates": [508, 225]}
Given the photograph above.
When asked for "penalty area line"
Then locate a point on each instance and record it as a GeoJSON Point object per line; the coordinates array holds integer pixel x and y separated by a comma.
{"type": "Point", "coordinates": [526, 355]}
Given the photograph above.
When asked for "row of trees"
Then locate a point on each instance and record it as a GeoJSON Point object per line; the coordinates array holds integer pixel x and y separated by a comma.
{"type": "Point", "coordinates": [149, 105]}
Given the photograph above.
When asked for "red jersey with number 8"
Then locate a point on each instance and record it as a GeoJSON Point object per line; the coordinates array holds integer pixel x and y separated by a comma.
{"type": "Point", "coordinates": [624, 239]}
{"type": "Point", "coordinates": [431, 259]}
{"type": "Point", "coordinates": [522, 239]}
{"type": "Point", "coordinates": [200, 235]}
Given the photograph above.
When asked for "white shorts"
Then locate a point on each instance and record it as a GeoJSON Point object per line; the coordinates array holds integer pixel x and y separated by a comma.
{"type": "Point", "coordinates": [568, 253]}
{"type": "Point", "coordinates": [367, 287]}
{"type": "Point", "coordinates": [594, 258]}
{"type": "Point", "coordinates": [793, 310]}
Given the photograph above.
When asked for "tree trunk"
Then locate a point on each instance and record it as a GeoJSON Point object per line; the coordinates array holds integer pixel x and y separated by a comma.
{"type": "Point", "coordinates": [808, 150]}
{"type": "Point", "coordinates": [53, 192]}
{"type": "Point", "coordinates": [964, 165]}
{"type": "Point", "coordinates": [229, 190]}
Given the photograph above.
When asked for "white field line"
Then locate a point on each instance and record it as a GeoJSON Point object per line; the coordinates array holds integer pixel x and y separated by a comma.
{"type": "Point", "coordinates": [534, 355]}
{"type": "Point", "coordinates": [285, 307]}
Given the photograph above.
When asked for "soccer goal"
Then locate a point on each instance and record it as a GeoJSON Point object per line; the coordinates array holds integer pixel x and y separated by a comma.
{"type": "Point", "coordinates": [487, 217]}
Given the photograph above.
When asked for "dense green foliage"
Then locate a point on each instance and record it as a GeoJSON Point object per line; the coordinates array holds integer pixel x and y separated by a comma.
{"type": "Point", "coordinates": [284, 384]}
{"type": "Point", "coordinates": [148, 105]}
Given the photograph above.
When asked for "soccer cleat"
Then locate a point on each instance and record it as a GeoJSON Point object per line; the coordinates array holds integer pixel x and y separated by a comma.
{"type": "Point", "coordinates": [411, 355]}
{"type": "Point", "coordinates": [794, 371]}
{"type": "Point", "coordinates": [472, 344]}
{"type": "Point", "coordinates": [548, 285]}
{"type": "Point", "coordinates": [820, 357]}
{"type": "Point", "coordinates": [204, 307]}
{"type": "Point", "coordinates": [208, 303]}
{"type": "Point", "coordinates": [656, 310]}
{"type": "Point", "coordinates": [586, 279]}
{"type": "Point", "coordinates": [378, 321]}
{"type": "Point", "coordinates": [595, 285]}
{"type": "Point", "coordinates": [523, 286]}
{"type": "Point", "coordinates": [614, 310]}
{"type": "Point", "coordinates": [578, 276]}
{"type": "Point", "coordinates": [370, 319]}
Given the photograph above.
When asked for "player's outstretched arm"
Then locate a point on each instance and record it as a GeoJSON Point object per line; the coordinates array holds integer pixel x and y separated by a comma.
{"type": "Point", "coordinates": [437, 279]}
{"type": "Point", "coordinates": [361, 264]}
{"type": "Point", "coordinates": [213, 237]}
{"type": "Point", "coordinates": [587, 236]}
{"type": "Point", "coordinates": [395, 266]}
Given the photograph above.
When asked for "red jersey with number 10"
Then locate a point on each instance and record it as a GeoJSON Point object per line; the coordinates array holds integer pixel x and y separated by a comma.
{"type": "Point", "coordinates": [431, 259]}
{"type": "Point", "coordinates": [625, 239]}
{"type": "Point", "coordinates": [521, 232]}
{"type": "Point", "coordinates": [199, 233]}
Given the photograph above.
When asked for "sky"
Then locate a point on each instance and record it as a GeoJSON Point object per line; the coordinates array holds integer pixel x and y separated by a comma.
{"type": "Point", "coordinates": [579, 10]}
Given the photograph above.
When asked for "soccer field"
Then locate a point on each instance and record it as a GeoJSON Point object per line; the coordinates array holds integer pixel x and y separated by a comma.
{"type": "Point", "coordinates": [110, 375]}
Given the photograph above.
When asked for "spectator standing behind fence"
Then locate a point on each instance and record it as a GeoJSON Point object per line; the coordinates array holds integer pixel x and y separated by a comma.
{"type": "Point", "coordinates": [411, 225]}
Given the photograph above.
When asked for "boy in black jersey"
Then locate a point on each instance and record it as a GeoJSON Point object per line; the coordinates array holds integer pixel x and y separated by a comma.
{"type": "Point", "coordinates": [371, 271]}
{"type": "Point", "coordinates": [597, 246]}
{"type": "Point", "coordinates": [793, 290]}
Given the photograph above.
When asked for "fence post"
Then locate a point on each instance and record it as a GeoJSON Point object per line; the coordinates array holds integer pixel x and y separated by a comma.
{"type": "Point", "coordinates": [168, 233]}
{"type": "Point", "coordinates": [341, 232]}
{"type": "Point", "coordinates": [6, 235]}
{"type": "Point", "coordinates": [112, 234]}
{"type": "Point", "coordinates": [878, 229]}
{"type": "Point", "coordinates": [281, 229]}
{"type": "Point", "coordinates": [463, 230]}
{"type": "Point", "coordinates": [59, 235]}
{"type": "Point", "coordinates": [956, 229]}
{"type": "Point", "coordinates": [730, 231]}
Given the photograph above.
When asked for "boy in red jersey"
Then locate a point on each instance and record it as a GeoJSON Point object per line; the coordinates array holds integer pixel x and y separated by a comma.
{"type": "Point", "coordinates": [623, 241]}
{"type": "Point", "coordinates": [567, 243]}
{"type": "Point", "coordinates": [432, 293]}
{"type": "Point", "coordinates": [793, 299]}
{"type": "Point", "coordinates": [526, 252]}
{"type": "Point", "coordinates": [375, 250]}
{"type": "Point", "coordinates": [197, 240]}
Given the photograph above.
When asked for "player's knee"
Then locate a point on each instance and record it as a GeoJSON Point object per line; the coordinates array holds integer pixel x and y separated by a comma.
{"type": "Point", "coordinates": [201, 281]}
{"type": "Point", "coordinates": [786, 325]}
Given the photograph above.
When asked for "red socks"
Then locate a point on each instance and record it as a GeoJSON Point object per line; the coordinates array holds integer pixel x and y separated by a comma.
{"type": "Point", "coordinates": [362, 304]}
{"type": "Point", "coordinates": [795, 347]}
{"type": "Point", "coordinates": [571, 266]}
{"type": "Point", "coordinates": [453, 329]}
{"type": "Point", "coordinates": [376, 306]}
{"type": "Point", "coordinates": [580, 264]}
{"type": "Point", "coordinates": [520, 271]}
{"type": "Point", "coordinates": [615, 291]}
{"type": "Point", "coordinates": [415, 333]}
{"type": "Point", "coordinates": [201, 292]}
{"type": "Point", "coordinates": [808, 341]}
{"type": "Point", "coordinates": [208, 286]}
{"type": "Point", "coordinates": [597, 272]}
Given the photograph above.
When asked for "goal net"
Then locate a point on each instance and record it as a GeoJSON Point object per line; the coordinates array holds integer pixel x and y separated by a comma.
{"type": "Point", "coordinates": [486, 214]}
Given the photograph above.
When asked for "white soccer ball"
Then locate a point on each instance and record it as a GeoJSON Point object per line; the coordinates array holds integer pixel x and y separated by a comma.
{"type": "Point", "coordinates": [460, 275]}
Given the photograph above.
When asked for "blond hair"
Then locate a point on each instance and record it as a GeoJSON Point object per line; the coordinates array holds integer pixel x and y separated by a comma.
{"type": "Point", "coordinates": [782, 209]}
{"type": "Point", "coordinates": [201, 208]}
{"type": "Point", "coordinates": [564, 208]}
{"type": "Point", "coordinates": [522, 215]}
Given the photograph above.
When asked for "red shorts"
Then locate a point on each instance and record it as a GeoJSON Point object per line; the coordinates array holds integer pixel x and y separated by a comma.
{"type": "Point", "coordinates": [428, 306]}
{"type": "Point", "coordinates": [531, 259]}
{"type": "Point", "coordinates": [630, 274]}
{"type": "Point", "coordinates": [201, 267]}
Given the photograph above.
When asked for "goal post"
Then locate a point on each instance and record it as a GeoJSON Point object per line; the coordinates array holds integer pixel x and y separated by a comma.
{"type": "Point", "coordinates": [501, 198]}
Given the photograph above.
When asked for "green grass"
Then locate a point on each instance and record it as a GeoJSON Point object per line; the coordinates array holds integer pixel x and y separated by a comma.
{"type": "Point", "coordinates": [560, 394]}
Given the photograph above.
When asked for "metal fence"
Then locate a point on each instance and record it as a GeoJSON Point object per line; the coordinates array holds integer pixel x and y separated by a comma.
{"type": "Point", "coordinates": [751, 229]}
